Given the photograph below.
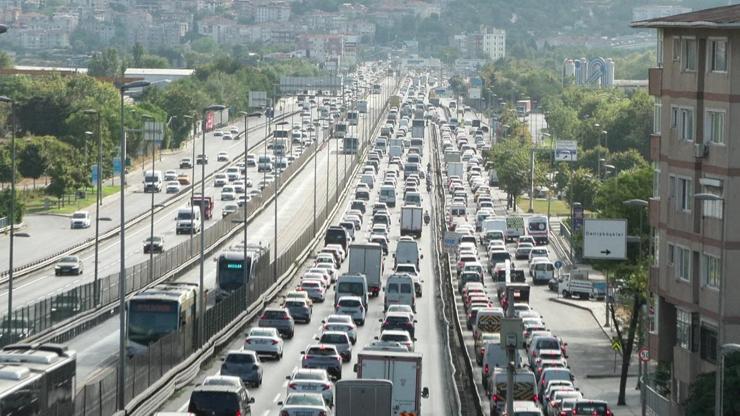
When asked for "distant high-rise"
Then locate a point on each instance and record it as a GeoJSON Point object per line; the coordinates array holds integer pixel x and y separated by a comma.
{"type": "Point", "coordinates": [597, 72]}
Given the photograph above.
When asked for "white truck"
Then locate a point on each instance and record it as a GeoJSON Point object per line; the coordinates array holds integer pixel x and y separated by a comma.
{"type": "Point", "coordinates": [403, 369]}
{"type": "Point", "coordinates": [417, 128]}
{"type": "Point", "coordinates": [514, 227]}
{"type": "Point", "coordinates": [407, 251]}
{"type": "Point", "coordinates": [412, 220]}
{"type": "Point", "coordinates": [576, 283]}
{"type": "Point", "coordinates": [363, 398]}
{"type": "Point", "coordinates": [367, 259]}
{"type": "Point", "coordinates": [395, 151]}
{"type": "Point", "coordinates": [153, 181]}
{"type": "Point", "coordinates": [455, 169]}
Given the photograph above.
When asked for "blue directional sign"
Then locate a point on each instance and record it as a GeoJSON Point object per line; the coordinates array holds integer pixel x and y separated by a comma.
{"type": "Point", "coordinates": [94, 174]}
{"type": "Point", "coordinates": [117, 166]}
{"type": "Point", "coordinates": [558, 264]}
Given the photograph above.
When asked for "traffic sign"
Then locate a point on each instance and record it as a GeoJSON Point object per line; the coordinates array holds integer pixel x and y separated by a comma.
{"type": "Point", "coordinates": [451, 240]}
{"type": "Point", "coordinates": [117, 166]}
{"type": "Point", "coordinates": [94, 174]}
{"type": "Point", "coordinates": [257, 99]}
{"type": "Point", "coordinates": [616, 344]}
{"type": "Point", "coordinates": [605, 239]}
{"type": "Point", "coordinates": [153, 131]}
{"type": "Point", "coordinates": [644, 354]}
{"type": "Point", "coordinates": [558, 264]}
{"type": "Point", "coordinates": [566, 151]}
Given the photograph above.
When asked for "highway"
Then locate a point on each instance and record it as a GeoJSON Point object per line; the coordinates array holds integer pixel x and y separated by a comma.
{"type": "Point", "coordinates": [45, 230]}
{"type": "Point", "coordinates": [43, 282]}
{"type": "Point", "coordinates": [97, 347]}
{"type": "Point", "coordinates": [428, 329]}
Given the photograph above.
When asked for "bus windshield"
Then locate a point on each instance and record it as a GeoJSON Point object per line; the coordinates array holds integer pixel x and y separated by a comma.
{"type": "Point", "coordinates": [230, 275]}
{"type": "Point", "coordinates": [149, 320]}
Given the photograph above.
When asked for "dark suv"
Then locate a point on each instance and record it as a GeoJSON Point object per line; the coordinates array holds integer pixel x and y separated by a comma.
{"type": "Point", "coordinates": [399, 320]}
{"type": "Point", "coordinates": [336, 234]}
{"type": "Point", "coordinates": [323, 356]}
{"type": "Point", "coordinates": [220, 400]}
{"type": "Point", "coordinates": [280, 319]}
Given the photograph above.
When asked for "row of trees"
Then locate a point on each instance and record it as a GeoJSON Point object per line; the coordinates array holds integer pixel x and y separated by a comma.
{"type": "Point", "coordinates": [51, 124]}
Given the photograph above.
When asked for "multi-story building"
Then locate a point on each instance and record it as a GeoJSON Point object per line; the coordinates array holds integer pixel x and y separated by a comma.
{"type": "Point", "coordinates": [493, 43]}
{"type": "Point", "coordinates": [696, 85]}
{"type": "Point", "coordinates": [272, 11]}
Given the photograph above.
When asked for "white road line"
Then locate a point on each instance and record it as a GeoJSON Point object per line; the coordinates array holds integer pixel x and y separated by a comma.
{"type": "Point", "coordinates": [277, 397]}
{"type": "Point", "coordinates": [266, 413]}
{"type": "Point", "coordinates": [183, 407]}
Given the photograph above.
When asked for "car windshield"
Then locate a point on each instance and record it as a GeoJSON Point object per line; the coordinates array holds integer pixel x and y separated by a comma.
{"type": "Point", "coordinates": [274, 314]}
{"type": "Point", "coordinates": [309, 375]}
{"type": "Point", "coordinates": [240, 359]}
{"type": "Point", "coordinates": [590, 408]}
{"type": "Point", "coordinates": [334, 339]}
{"type": "Point", "coordinates": [395, 337]}
{"type": "Point", "coordinates": [260, 332]}
{"type": "Point", "coordinates": [548, 344]}
{"type": "Point", "coordinates": [322, 351]}
{"type": "Point", "coordinates": [351, 303]}
{"type": "Point", "coordinates": [79, 215]}
{"type": "Point", "coordinates": [305, 399]}
{"type": "Point", "coordinates": [213, 402]}
{"type": "Point", "coordinates": [295, 304]}
{"type": "Point", "coordinates": [183, 215]}
{"type": "Point", "coordinates": [68, 259]}
{"type": "Point", "coordinates": [355, 288]}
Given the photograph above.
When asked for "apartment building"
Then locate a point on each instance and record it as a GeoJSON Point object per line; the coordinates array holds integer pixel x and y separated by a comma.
{"type": "Point", "coordinates": [696, 86]}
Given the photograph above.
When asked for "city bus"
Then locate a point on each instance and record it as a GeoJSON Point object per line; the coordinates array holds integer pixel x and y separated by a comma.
{"type": "Point", "coordinates": [232, 272]}
{"type": "Point", "coordinates": [37, 380]}
{"type": "Point", "coordinates": [159, 311]}
{"type": "Point", "coordinates": [353, 117]}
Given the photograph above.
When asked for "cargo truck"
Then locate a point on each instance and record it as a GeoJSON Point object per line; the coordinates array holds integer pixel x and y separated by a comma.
{"type": "Point", "coordinates": [412, 218]}
{"type": "Point", "coordinates": [367, 260]}
{"type": "Point", "coordinates": [403, 370]}
{"type": "Point", "coordinates": [576, 283]}
{"type": "Point", "coordinates": [455, 169]}
{"type": "Point", "coordinates": [363, 398]}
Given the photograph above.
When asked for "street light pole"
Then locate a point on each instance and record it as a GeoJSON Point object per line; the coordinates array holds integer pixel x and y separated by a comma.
{"type": "Point", "coordinates": [98, 201]}
{"type": "Point", "coordinates": [122, 263]}
{"type": "Point", "coordinates": [192, 165]}
{"type": "Point", "coordinates": [11, 211]}
{"type": "Point", "coordinates": [151, 206]}
{"type": "Point", "coordinates": [244, 211]}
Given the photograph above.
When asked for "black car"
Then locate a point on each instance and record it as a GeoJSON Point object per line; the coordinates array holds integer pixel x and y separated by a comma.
{"type": "Point", "coordinates": [153, 244]}
{"type": "Point", "coordinates": [359, 205]}
{"type": "Point", "coordinates": [399, 321]}
{"type": "Point", "coordinates": [336, 235]}
{"type": "Point", "coordinates": [220, 400]}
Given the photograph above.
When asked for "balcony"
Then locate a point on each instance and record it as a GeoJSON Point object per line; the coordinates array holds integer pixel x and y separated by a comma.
{"type": "Point", "coordinates": [655, 147]}
{"type": "Point", "coordinates": [654, 211]}
{"type": "Point", "coordinates": [654, 279]}
{"type": "Point", "coordinates": [655, 82]}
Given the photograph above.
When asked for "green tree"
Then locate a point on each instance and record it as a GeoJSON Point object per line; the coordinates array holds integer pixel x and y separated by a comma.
{"type": "Point", "coordinates": [106, 64]}
{"type": "Point", "coordinates": [626, 160]}
{"type": "Point", "coordinates": [582, 187]}
{"type": "Point", "coordinates": [700, 401]}
{"type": "Point", "coordinates": [32, 159]}
{"type": "Point", "coordinates": [6, 61]}
{"type": "Point", "coordinates": [19, 209]}
{"type": "Point", "coordinates": [511, 160]}
{"type": "Point", "coordinates": [137, 51]}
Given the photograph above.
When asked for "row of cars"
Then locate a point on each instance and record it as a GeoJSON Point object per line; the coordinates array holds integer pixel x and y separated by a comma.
{"type": "Point", "coordinates": [543, 381]}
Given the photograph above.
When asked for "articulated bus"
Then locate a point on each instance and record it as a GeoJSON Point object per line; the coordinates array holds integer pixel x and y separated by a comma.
{"type": "Point", "coordinates": [159, 311]}
{"type": "Point", "coordinates": [232, 272]}
{"type": "Point", "coordinates": [37, 380]}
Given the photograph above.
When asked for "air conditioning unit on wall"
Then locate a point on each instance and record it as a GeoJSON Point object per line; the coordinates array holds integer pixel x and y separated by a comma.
{"type": "Point", "coordinates": [701, 150]}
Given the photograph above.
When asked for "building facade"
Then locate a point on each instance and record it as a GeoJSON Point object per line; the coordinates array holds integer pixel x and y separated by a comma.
{"type": "Point", "coordinates": [493, 43]}
{"type": "Point", "coordinates": [696, 86]}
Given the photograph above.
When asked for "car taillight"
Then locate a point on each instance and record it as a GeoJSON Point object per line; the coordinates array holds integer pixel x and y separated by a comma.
{"type": "Point", "coordinates": [285, 317]}
{"type": "Point", "coordinates": [238, 413]}
{"type": "Point", "coordinates": [534, 353]}
{"type": "Point", "coordinates": [609, 412]}
{"type": "Point", "coordinates": [322, 413]}
{"type": "Point", "coordinates": [485, 369]}
{"type": "Point", "coordinates": [536, 398]}
{"type": "Point", "coordinates": [292, 385]}
{"type": "Point", "coordinates": [495, 398]}
{"type": "Point", "coordinates": [563, 413]}
{"type": "Point", "coordinates": [284, 413]}
{"type": "Point", "coordinates": [249, 341]}
{"type": "Point", "coordinates": [327, 386]}
{"type": "Point", "coordinates": [274, 342]}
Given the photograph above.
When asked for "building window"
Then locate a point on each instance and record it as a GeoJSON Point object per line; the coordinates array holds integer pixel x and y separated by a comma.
{"type": "Point", "coordinates": [656, 114]}
{"type": "Point", "coordinates": [682, 263]}
{"type": "Point", "coordinates": [653, 309]}
{"type": "Point", "coordinates": [710, 270]}
{"type": "Point", "coordinates": [676, 49]}
{"type": "Point", "coordinates": [708, 342]}
{"type": "Point", "coordinates": [656, 180]}
{"type": "Point", "coordinates": [659, 49]}
{"type": "Point", "coordinates": [656, 246]}
{"type": "Point", "coordinates": [684, 194]}
{"type": "Point", "coordinates": [713, 209]}
{"type": "Point", "coordinates": [686, 124]}
{"type": "Point", "coordinates": [718, 55]}
{"type": "Point", "coordinates": [671, 255]}
{"type": "Point", "coordinates": [683, 329]}
{"type": "Point", "coordinates": [674, 117]}
{"type": "Point", "coordinates": [688, 55]}
{"type": "Point", "coordinates": [715, 126]}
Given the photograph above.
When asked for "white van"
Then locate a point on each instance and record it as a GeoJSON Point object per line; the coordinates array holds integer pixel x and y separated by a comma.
{"type": "Point", "coordinates": [188, 220]}
{"type": "Point", "coordinates": [542, 272]}
{"type": "Point", "coordinates": [153, 181]}
{"type": "Point", "coordinates": [399, 290]}
{"type": "Point", "coordinates": [264, 163]}
{"type": "Point", "coordinates": [407, 251]}
{"type": "Point", "coordinates": [351, 285]}
{"type": "Point", "coordinates": [388, 195]}
{"type": "Point", "coordinates": [368, 179]}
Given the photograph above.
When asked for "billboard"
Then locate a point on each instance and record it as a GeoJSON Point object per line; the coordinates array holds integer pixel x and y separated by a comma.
{"type": "Point", "coordinates": [257, 99]}
{"type": "Point", "coordinates": [566, 151]}
{"type": "Point", "coordinates": [474, 93]}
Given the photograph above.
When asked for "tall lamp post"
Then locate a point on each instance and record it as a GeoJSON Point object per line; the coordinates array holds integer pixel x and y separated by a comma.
{"type": "Point", "coordinates": [275, 205]}
{"type": "Point", "coordinates": [201, 281]}
{"type": "Point", "coordinates": [122, 270]}
{"type": "Point", "coordinates": [98, 197]}
{"type": "Point", "coordinates": [720, 302]}
{"type": "Point", "coordinates": [194, 120]}
{"type": "Point", "coordinates": [11, 211]}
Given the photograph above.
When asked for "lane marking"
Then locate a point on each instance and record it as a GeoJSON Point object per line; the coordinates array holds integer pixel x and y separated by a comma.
{"type": "Point", "coordinates": [277, 397]}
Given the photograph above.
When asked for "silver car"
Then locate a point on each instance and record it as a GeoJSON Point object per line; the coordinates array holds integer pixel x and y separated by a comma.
{"type": "Point", "coordinates": [264, 341]}
{"type": "Point", "coordinates": [352, 306]}
{"type": "Point", "coordinates": [340, 340]}
{"type": "Point", "coordinates": [311, 380]}
{"type": "Point", "coordinates": [304, 404]}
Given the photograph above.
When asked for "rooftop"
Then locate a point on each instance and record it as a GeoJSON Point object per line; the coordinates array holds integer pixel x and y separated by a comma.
{"type": "Point", "coordinates": [725, 17]}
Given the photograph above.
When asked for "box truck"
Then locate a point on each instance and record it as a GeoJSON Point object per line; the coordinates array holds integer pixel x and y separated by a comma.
{"type": "Point", "coordinates": [412, 220]}
{"type": "Point", "coordinates": [403, 369]}
{"type": "Point", "coordinates": [363, 398]}
{"type": "Point", "coordinates": [367, 259]}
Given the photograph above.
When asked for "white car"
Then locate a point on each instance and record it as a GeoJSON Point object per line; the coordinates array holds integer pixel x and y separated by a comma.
{"type": "Point", "coordinates": [352, 306]}
{"type": "Point", "coordinates": [342, 323]}
{"type": "Point", "coordinates": [218, 133]}
{"type": "Point", "coordinates": [304, 404]}
{"type": "Point", "coordinates": [311, 380]}
{"type": "Point", "coordinates": [398, 336]}
{"type": "Point", "coordinates": [170, 175]}
{"type": "Point", "coordinates": [400, 308]}
{"type": "Point", "coordinates": [80, 219]}
{"type": "Point", "coordinates": [222, 157]}
{"type": "Point", "coordinates": [229, 209]}
{"type": "Point", "coordinates": [220, 179]}
{"type": "Point", "coordinates": [234, 131]}
{"type": "Point", "coordinates": [314, 288]}
{"type": "Point", "coordinates": [228, 193]}
{"type": "Point", "coordinates": [172, 187]}
{"type": "Point", "coordinates": [264, 341]}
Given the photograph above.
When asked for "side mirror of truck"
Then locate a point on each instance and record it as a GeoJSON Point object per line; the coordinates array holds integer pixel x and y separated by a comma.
{"type": "Point", "coordinates": [421, 256]}
{"type": "Point", "coordinates": [355, 367]}
{"type": "Point", "coordinates": [425, 392]}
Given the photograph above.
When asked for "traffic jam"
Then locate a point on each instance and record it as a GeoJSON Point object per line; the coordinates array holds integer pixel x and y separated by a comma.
{"type": "Point", "coordinates": [359, 292]}
{"type": "Point", "coordinates": [496, 253]}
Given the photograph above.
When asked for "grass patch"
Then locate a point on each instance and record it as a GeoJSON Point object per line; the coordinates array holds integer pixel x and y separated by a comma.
{"type": "Point", "coordinates": [558, 207]}
{"type": "Point", "coordinates": [38, 202]}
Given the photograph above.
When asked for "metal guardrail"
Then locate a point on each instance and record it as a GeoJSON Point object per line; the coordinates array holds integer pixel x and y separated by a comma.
{"type": "Point", "coordinates": [89, 242]}
{"type": "Point", "coordinates": [655, 403]}
{"type": "Point", "coordinates": [63, 316]}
